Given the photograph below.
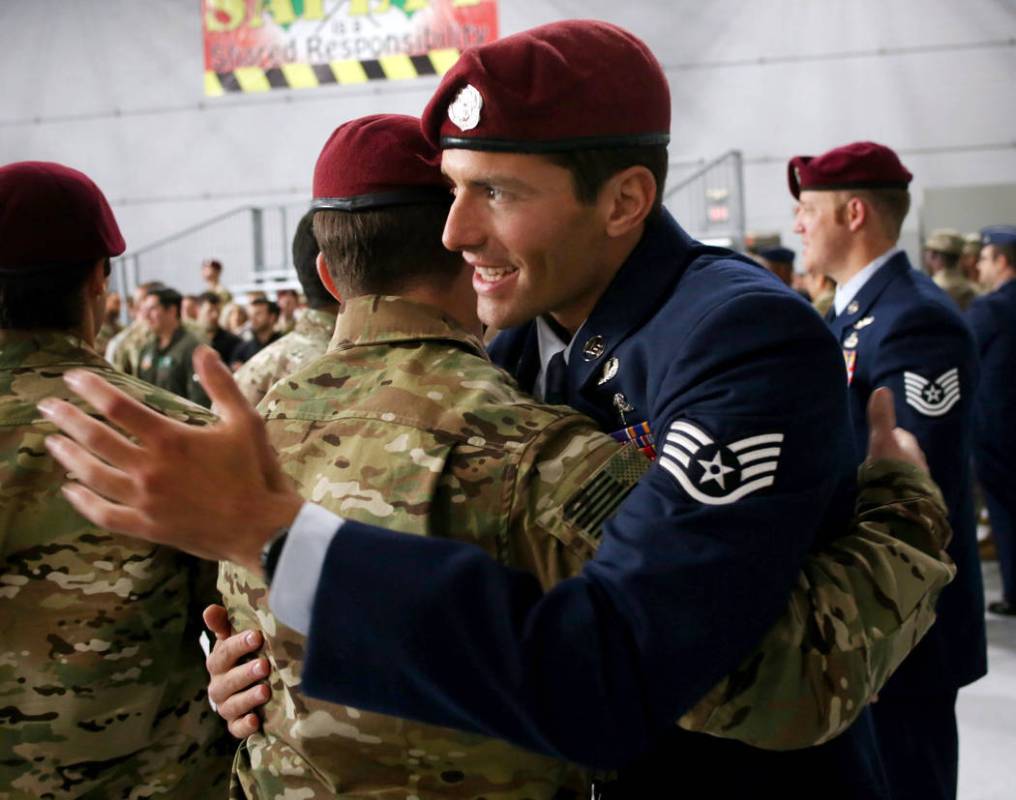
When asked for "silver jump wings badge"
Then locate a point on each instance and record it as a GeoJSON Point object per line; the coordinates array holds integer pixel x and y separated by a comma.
{"type": "Point", "coordinates": [719, 474]}
{"type": "Point", "coordinates": [933, 398]}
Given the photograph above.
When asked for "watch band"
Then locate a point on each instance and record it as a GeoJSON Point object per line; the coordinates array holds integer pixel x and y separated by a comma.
{"type": "Point", "coordinates": [271, 553]}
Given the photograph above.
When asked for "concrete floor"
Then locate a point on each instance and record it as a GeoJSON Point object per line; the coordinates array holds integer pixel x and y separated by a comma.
{"type": "Point", "coordinates": [987, 712]}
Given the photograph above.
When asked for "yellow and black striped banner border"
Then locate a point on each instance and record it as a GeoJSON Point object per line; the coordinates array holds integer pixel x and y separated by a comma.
{"type": "Point", "coordinates": [306, 76]}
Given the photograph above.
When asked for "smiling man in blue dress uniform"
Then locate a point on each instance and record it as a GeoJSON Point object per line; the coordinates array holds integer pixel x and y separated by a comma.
{"type": "Point", "coordinates": [898, 329]}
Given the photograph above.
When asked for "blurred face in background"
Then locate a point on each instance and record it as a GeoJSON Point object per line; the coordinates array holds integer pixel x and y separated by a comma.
{"type": "Point", "coordinates": [208, 315]}
{"type": "Point", "coordinates": [236, 319]}
{"type": "Point", "coordinates": [288, 302]}
{"type": "Point", "coordinates": [261, 320]}
{"type": "Point", "coordinates": [160, 320]}
{"type": "Point", "coordinates": [189, 307]}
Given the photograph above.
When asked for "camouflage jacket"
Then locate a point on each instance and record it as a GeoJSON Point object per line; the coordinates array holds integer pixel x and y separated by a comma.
{"type": "Point", "coordinates": [405, 423]}
{"type": "Point", "coordinates": [124, 349]}
{"type": "Point", "coordinates": [956, 285]}
{"type": "Point", "coordinates": [307, 341]}
{"type": "Point", "coordinates": [101, 674]}
{"type": "Point", "coordinates": [105, 335]}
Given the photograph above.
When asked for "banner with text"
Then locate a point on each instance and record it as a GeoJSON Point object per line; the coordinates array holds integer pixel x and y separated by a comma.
{"type": "Point", "coordinates": [260, 45]}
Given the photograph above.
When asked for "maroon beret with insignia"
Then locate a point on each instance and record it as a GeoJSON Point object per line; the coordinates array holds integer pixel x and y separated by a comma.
{"type": "Point", "coordinates": [569, 85]}
{"type": "Point", "coordinates": [376, 161]}
{"type": "Point", "coordinates": [53, 216]}
{"type": "Point", "coordinates": [860, 165]}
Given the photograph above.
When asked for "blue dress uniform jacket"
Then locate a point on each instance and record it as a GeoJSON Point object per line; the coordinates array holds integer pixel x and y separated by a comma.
{"type": "Point", "coordinates": [743, 389]}
{"type": "Point", "coordinates": [904, 332]}
{"type": "Point", "coordinates": [993, 320]}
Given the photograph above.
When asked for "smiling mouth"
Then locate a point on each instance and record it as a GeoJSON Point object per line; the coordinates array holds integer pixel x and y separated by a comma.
{"type": "Point", "coordinates": [493, 274]}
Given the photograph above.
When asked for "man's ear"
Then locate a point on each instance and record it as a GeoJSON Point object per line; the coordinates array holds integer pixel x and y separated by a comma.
{"type": "Point", "coordinates": [326, 277]}
{"type": "Point", "coordinates": [95, 283]}
{"type": "Point", "coordinates": [627, 199]}
{"type": "Point", "coordinates": [858, 213]}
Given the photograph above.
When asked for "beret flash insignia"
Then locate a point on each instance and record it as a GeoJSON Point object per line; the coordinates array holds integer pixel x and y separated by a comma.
{"type": "Point", "coordinates": [464, 110]}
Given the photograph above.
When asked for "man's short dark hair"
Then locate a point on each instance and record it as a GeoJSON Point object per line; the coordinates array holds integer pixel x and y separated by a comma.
{"type": "Point", "coordinates": [1007, 251]}
{"type": "Point", "coordinates": [591, 169]}
{"type": "Point", "coordinates": [271, 305]}
{"type": "Point", "coordinates": [949, 260]}
{"type": "Point", "coordinates": [45, 298]}
{"type": "Point", "coordinates": [386, 250]}
{"type": "Point", "coordinates": [168, 298]}
{"type": "Point", "coordinates": [214, 263]}
{"type": "Point", "coordinates": [210, 297]}
{"type": "Point", "coordinates": [305, 253]}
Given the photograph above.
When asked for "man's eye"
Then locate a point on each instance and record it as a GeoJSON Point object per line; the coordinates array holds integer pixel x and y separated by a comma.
{"type": "Point", "coordinates": [493, 193]}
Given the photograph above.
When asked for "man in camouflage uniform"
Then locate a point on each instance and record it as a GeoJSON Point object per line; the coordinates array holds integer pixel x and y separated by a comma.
{"type": "Point", "coordinates": [124, 349]}
{"type": "Point", "coordinates": [110, 323]}
{"type": "Point", "coordinates": [942, 252]}
{"type": "Point", "coordinates": [100, 667]}
{"type": "Point", "coordinates": [314, 328]}
{"type": "Point", "coordinates": [432, 439]}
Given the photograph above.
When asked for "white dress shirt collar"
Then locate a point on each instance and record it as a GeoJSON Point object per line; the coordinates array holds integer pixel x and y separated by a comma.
{"type": "Point", "coordinates": [845, 292]}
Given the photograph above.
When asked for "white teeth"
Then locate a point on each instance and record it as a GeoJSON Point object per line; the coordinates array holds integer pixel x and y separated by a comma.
{"type": "Point", "coordinates": [493, 273]}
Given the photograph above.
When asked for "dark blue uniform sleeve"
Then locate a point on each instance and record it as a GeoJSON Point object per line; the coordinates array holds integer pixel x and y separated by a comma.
{"type": "Point", "coordinates": [693, 569]}
{"type": "Point", "coordinates": [930, 362]}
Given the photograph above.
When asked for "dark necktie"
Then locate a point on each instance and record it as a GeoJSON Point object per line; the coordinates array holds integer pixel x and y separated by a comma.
{"type": "Point", "coordinates": [831, 314]}
{"type": "Point", "coordinates": [555, 391]}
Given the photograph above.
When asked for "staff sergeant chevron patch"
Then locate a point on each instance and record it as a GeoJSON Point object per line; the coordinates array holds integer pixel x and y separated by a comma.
{"type": "Point", "coordinates": [718, 474]}
{"type": "Point", "coordinates": [933, 398]}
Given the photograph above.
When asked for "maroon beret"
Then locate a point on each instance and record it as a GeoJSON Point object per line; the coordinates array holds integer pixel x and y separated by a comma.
{"type": "Point", "coordinates": [375, 161]}
{"type": "Point", "coordinates": [564, 86]}
{"type": "Point", "coordinates": [53, 216]}
{"type": "Point", "coordinates": [860, 165]}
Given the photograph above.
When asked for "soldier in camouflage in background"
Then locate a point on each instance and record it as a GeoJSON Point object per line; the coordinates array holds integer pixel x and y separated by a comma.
{"type": "Point", "coordinates": [100, 666]}
{"type": "Point", "coordinates": [124, 349]}
{"type": "Point", "coordinates": [406, 423]}
{"type": "Point", "coordinates": [314, 328]}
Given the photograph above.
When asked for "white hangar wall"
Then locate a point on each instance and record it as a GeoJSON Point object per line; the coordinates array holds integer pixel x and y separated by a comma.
{"type": "Point", "coordinates": [114, 87]}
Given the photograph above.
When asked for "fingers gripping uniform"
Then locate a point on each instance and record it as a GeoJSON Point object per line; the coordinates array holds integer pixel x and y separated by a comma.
{"type": "Point", "coordinates": [102, 677]}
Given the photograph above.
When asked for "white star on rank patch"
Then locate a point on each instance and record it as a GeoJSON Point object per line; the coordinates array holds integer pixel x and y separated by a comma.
{"type": "Point", "coordinates": [715, 470]}
{"type": "Point", "coordinates": [685, 455]}
{"type": "Point", "coordinates": [933, 398]}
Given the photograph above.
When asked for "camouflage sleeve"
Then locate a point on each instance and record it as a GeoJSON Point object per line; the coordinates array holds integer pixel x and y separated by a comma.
{"type": "Point", "coordinates": [569, 480]}
{"type": "Point", "coordinates": [859, 607]}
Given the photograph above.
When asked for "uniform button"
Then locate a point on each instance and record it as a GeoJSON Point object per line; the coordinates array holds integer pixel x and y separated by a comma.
{"type": "Point", "coordinates": [852, 308]}
{"type": "Point", "coordinates": [593, 348]}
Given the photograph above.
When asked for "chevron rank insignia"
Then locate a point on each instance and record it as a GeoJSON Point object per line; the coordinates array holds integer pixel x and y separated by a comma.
{"type": "Point", "coordinates": [719, 474]}
{"type": "Point", "coordinates": [933, 398]}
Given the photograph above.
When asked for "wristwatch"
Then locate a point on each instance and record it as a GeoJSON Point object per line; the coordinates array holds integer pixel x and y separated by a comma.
{"type": "Point", "coordinates": [271, 553]}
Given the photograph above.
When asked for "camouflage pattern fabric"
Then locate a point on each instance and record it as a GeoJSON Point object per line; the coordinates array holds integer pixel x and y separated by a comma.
{"type": "Point", "coordinates": [102, 680]}
{"type": "Point", "coordinates": [434, 441]}
{"type": "Point", "coordinates": [124, 349]}
{"type": "Point", "coordinates": [308, 341]}
{"type": "Point", "coordinates": [858, 609]}
{"type": "Point", "coordinates": [105, 335]}
{"type": "Point", "coordinates": [824, 302]}
{"type": "Point", "coordinates": [957, 286]}
{"type": "Point", "coordinates": [406, 424]}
